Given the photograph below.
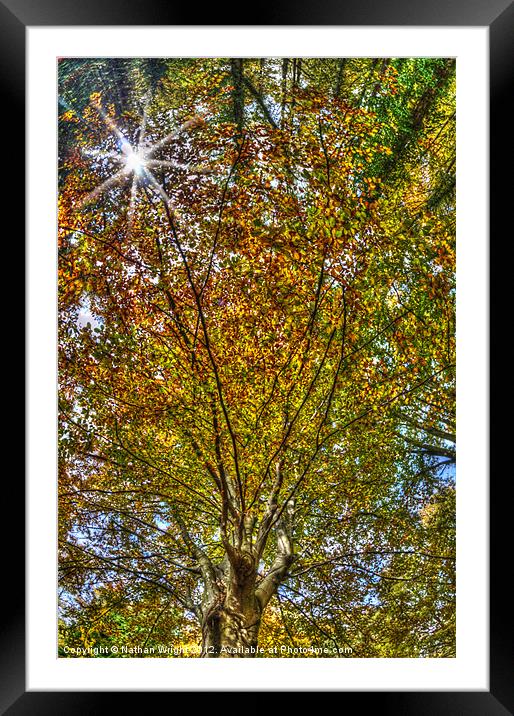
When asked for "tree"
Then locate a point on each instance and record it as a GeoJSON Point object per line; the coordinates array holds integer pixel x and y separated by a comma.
{"type": "Point", "coordinates": [256, 344]}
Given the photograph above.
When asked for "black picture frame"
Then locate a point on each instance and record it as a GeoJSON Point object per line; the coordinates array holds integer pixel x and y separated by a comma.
{"type": "Point", "coordinates": [498, 16]}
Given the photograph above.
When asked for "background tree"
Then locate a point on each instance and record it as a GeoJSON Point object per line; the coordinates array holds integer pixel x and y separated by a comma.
{"type": "Point", "coordinates": [256, 326]}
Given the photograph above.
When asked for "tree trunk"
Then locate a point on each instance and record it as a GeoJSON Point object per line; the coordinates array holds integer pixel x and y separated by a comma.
{"type": "Point", "coordinates": [285, 67]}
{"type": "Point", "coordinates": [340, 77]}
{"type": "Point", "coordinates": [231, 633]}
{"type": "Point", "coordinates": [232, 615]}
{"type": "Point", "coordinates": [236, 596]}
{"type": "Point", "coordinates": [237, 72]}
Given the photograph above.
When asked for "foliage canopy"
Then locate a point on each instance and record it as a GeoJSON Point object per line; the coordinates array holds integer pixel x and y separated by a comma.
{"type": "Point", "coordinates": [256, 356]}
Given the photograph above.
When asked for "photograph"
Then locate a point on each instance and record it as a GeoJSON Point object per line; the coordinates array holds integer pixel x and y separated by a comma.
{"type": "Point", "coordinates": [256, 357]}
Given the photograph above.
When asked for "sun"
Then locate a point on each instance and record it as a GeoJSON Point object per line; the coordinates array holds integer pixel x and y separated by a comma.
{"type": "Point", "coordinates": [133, 162]}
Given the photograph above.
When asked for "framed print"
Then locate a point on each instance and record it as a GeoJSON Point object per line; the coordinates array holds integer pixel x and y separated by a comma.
{"type": "Point", "coordinates": [271, 332]}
